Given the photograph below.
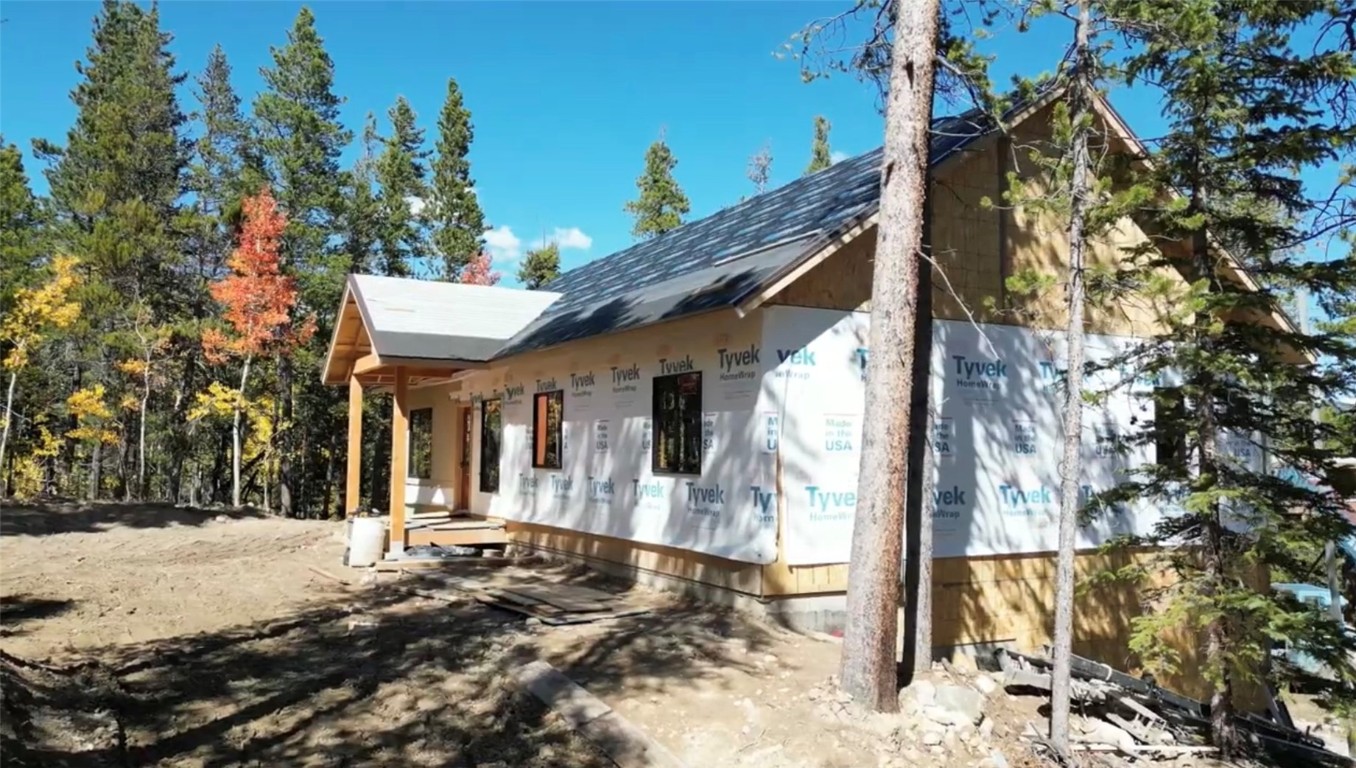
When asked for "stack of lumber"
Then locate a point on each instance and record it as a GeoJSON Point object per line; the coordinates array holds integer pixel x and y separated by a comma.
{"type": "Point", "coordinates": [447, 521]}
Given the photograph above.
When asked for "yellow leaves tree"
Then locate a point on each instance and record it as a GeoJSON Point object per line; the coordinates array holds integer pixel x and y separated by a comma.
{"type": "Point", "coordinates": [149, 342]}
{"type": "Point", "coordinates": [220, 402]}
{"type": "Point", "coordinates": [36, 313]}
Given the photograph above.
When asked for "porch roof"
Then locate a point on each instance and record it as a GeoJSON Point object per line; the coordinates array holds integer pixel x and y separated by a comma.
{"type": "Point", "coordinates": [433, 328]}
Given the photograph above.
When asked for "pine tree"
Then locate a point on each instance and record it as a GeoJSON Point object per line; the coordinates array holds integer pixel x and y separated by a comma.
{"type": "Point", "coordinates": [873, 591]}
{"type": "Point", "coordinates": [454, 212]}
{"type": "Point", "coordinates": [1245, 115]}
{"type": "Point", "coordinates": [300, 141]}
{"type": "Point", "coordinates": [362, 209]}
{"type": "Point", "coordinates": [225, 168]}
{"type": "Point", "coordinates": [115, 190]}
{"type": "Point", "coordinates": [540, 266]}
{"type": "Point", "coordinates": [662, 204]}
{"type": "Point", "coordinates": [21, 216]}
{"type": "Point", "coordinates": [820, 155]}
{"type": "Point", "coordinates": [402, 174]}
{"type": "Point", "coordinates": [760, 169]}
{"type": "Point", "coordinates": [117, 182]}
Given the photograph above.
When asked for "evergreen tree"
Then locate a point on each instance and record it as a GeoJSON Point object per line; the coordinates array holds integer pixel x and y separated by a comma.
{"type": "Point", "coordinates": [225, 168]}
{"type": "Point", "coordinates": [21, 216]}
{"type": "Point", "coordinates": [117, 182]}
{"type": "Point", "coordinates": [454, 212]}
{"type": "Point", "coordinates": [115, 190]}
{"type": "Point", "coordinates": [402, 173]}
{"type": "Point", "coordinates": [300, 140]}
{"type": "Point", "coordinates": [1245, 115]}
{"type": "Point", "coordinates": [662, 204]}
{"type": "Point", "coordinates": [540, 266]}
{"type": "Point", "coordinates": [362, 209]}
{"type": "Point", "coordinates": [820, 155]}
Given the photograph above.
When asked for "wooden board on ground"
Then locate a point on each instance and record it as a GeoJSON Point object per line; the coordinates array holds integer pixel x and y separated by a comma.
{"type": "Point", "coordinates": [627, 745]}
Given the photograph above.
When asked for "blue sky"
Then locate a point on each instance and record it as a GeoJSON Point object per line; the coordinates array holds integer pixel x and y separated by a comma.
{"type": "Point", "coordinates": [565, 96]}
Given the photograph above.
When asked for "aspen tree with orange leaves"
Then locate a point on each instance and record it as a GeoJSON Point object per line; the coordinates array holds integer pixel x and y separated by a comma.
{"type": "Point", "coordinates": [258, 304]}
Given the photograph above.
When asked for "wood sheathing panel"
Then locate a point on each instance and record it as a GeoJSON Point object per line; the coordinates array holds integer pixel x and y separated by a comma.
{"type": "Point", "coordinates": [666, 561]}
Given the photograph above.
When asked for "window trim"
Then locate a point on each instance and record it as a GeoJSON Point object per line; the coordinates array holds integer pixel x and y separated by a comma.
{"type": "Point", "coordinates": [538, 434]}
{"type": "Point", "coordinates": [410, 469]}
{"type": "Point", "coordinates": [498, 448]}
{"type": "Point", "coordinates": [656, 436]}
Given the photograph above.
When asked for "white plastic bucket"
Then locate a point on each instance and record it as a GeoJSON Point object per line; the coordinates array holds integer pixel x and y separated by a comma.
{"type": "Point", "coordinates": [366, 540]}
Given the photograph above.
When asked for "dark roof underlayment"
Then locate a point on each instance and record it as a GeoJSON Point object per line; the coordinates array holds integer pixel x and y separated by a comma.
{"type": "Point", "coordinates": [718, 261]}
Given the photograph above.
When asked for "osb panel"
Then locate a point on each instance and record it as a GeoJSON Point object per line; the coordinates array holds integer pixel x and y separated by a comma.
{"type": "Point", "coordinates": [976, 246]}
{"type": "Point", "coordinates": [692, 566]}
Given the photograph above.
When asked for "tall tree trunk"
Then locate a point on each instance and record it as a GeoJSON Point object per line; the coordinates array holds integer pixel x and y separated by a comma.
{"type": "Point", "coordinates": [9, 414]}
{"type": "Point", "coordinates": [869, 663]}
{"type": "Point", "coordinates": [285, 454]}
{"type": "Point", "coordinates": [235, 435]}
{"type": "Point", "coordinates": [919, 501]}
{"type": "Point", "coordinates": [141, 439]}
{"type": "Point", "coordinates": [96, 466]}
{"type": "Point", "coordinates": [1071, 463]}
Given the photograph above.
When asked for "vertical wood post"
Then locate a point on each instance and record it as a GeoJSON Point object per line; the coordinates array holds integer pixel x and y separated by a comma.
{"type": "Point", "coordinates": [400, 444]}
{"type": "Point", "coordinates": [353, 480]}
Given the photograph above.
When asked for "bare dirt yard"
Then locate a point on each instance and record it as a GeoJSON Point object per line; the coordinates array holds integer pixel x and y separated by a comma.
{"type": "Point", "coordinates": [142, 635]}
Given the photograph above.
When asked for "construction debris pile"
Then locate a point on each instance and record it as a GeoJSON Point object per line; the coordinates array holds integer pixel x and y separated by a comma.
{"type": "Point", "coordinates": [1118, 713]}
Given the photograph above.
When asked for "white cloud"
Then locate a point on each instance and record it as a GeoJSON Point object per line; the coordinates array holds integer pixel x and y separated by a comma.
{"type": "Point", "coordinates": [416, 204]}
{"type": "Point", "coordinates": [838, 156]}
{"type": "Point", "coordinates": [567, 238]}
{"type": "Point", "coordinates": [504, 246]}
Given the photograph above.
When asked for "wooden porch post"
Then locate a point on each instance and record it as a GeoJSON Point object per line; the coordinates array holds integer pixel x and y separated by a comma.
{"type": "Point", "coordinates": [400, 414]}
{"type": "Point", "coordinates": [353, 481]}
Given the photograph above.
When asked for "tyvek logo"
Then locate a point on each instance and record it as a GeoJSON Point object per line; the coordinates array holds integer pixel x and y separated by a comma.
{"type": "Point", "coordinates": [705, 500]}
{"type": "Point", "coordinates": [513, 392]}
{"type": "Point", "coordinates": [581, 384]}
{"type": "Point", "coordinates": [527, 485]}
{"type": "Point", "coordinates": [562, 487]}
{"type": "Point", "coordinates": [862, 356]}
{"type": "Point", "coordinates": [800, 356]}
{"type": "Point", "coordinates": [1024, 502]}
{"type": "Point", "coordinates": [738, 364]}
{"type": "Point", "coordinates": [685, 365]}
{"type": "Point", "coordinates": [947, 503]}
{"type": "Point", "coordinates": [601, 490]}
{"type": "Point", "coordinates": [980, 374]}
{"type": "Point", "coordinates": [1051, 375]}
{"type": "Point", "coordinates": [762, 505]}
{"type": "Point", "coordinates": [625, 379]}
{"type": "Point", "coordinates": [829, 505]}
{"type": "Point", "coordinates": [650, 494]}
{"type": "Point", "coordinates": [547, 385]}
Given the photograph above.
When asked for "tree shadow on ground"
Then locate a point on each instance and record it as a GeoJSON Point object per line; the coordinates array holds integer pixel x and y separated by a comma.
{"type": "Point", "coordinates": [374, 676]}
{"type": "Point", "coordinates": [17, 609]}
{"type": "Point", "coordinates": [42, 519]}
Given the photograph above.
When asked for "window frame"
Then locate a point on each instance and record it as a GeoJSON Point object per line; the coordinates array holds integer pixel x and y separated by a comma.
{"type": "Point", "coordinates": [411, 469]}
{"type": "Point", "coordinates": [682, 464]}
{"type": "Point", "coordinates": [485, 485]}
{"type": "Point", "coordinates": [538, 433]}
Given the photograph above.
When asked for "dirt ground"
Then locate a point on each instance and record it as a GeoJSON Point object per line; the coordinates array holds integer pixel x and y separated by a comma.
{"type": "Point", "coordinates": [135, 635]}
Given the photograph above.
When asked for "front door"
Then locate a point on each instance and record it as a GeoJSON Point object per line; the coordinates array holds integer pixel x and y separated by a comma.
{"type": "Point", "coordinates": [464, 477]}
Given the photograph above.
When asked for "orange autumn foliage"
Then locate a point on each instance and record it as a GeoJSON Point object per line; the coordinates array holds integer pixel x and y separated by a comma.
{"type": "Point", "coordinates": [478, 271]}
{"type": "Point", "coordinates": [258, 299]}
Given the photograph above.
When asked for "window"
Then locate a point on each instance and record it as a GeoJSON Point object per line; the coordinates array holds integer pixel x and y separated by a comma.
{"type": "Point", "coordinates": [1170, 428]}
{"type": "Point", "coordinates": [678, 423]}
{"type": "Point", "coordinates": [491, 428]}
{"type": "Point", "coordinates": [548, 410]}
{"type": "Point", "coordinates": [421, 443]}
